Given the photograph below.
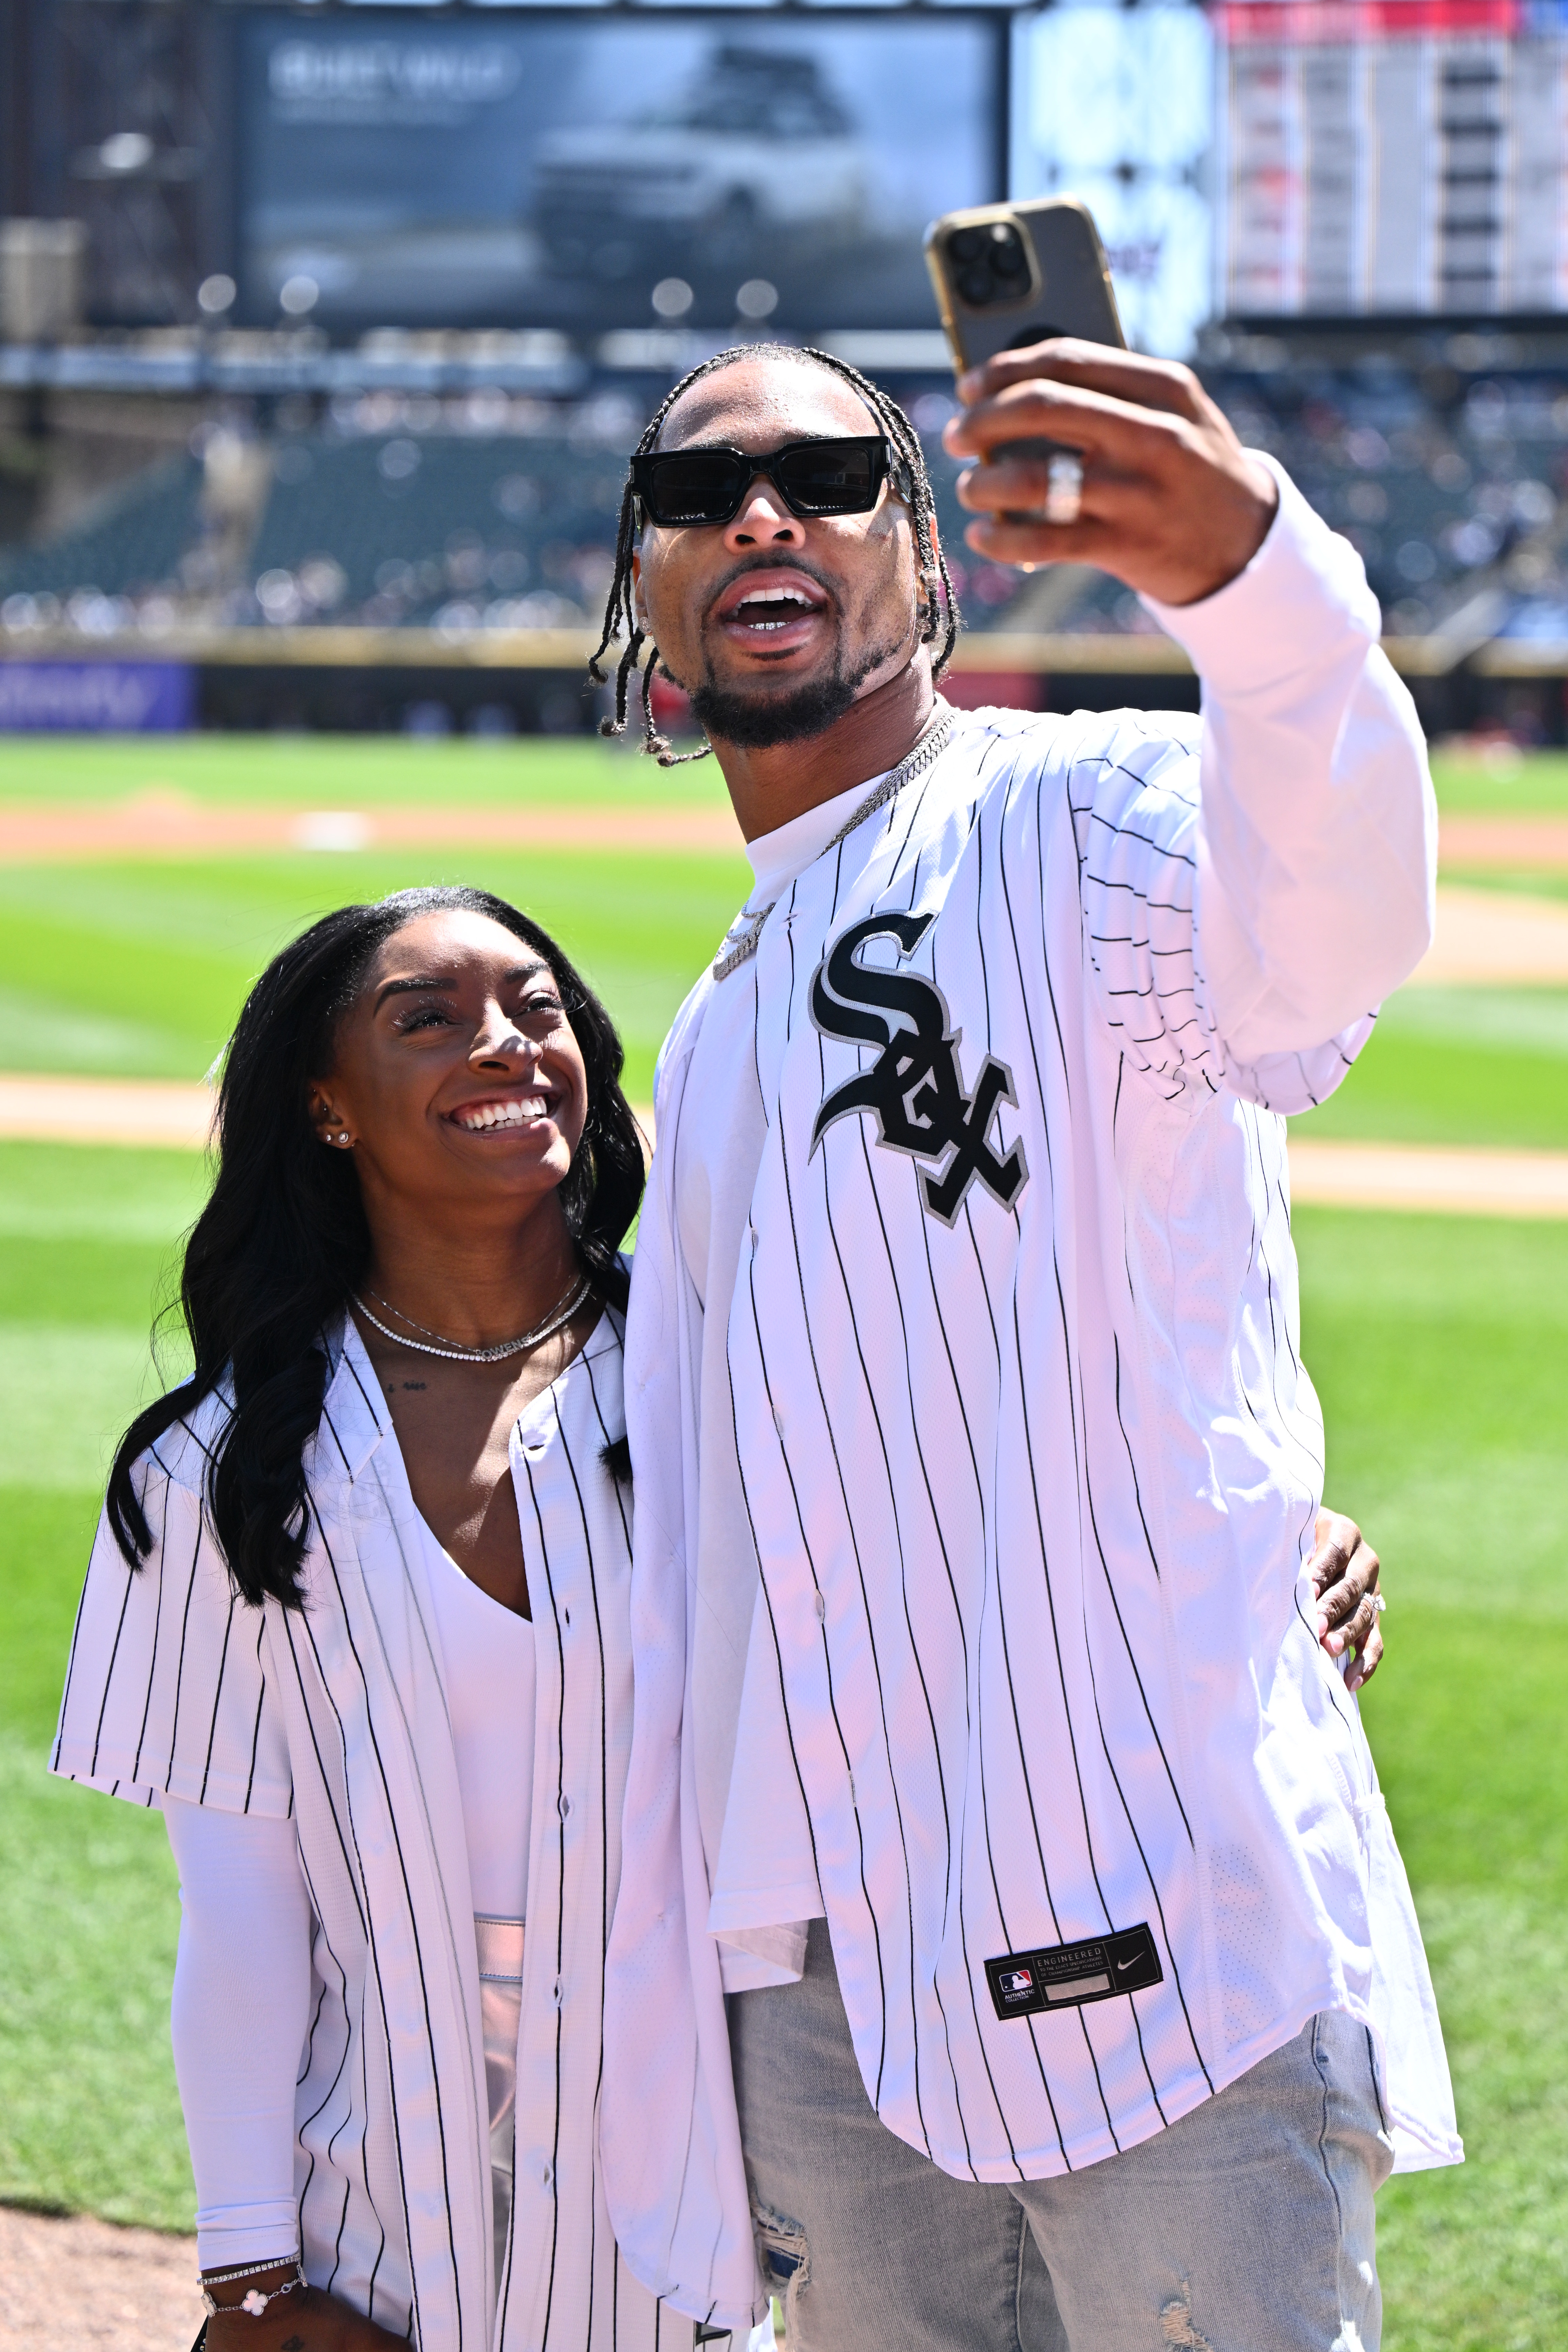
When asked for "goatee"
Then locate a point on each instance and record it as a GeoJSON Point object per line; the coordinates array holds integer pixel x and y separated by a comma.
{"type": "Point", "coordinates": [755, 722]}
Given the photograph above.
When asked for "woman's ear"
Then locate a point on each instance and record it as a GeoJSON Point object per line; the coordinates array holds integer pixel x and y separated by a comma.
{"type": "Point", "coordinates": [330, 1125]}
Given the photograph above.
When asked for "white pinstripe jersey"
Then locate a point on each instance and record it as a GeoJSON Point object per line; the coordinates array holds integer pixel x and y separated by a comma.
{"type": "Point", "coordinates": [337, 1713]}
{"type": "Point", "coordinates": [1031, 1458]}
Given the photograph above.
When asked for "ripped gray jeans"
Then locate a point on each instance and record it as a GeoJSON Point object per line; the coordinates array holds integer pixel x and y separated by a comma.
{"type": "Point", "coordinates": [1247, 2227]}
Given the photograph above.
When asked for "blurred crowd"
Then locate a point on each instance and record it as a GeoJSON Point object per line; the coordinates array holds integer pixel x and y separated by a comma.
{"type": "Point", "coordinates": [489, 512]}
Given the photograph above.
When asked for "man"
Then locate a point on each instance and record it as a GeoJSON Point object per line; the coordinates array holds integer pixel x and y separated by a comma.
{"type": "Point", "coordinates": [1075, 1994]}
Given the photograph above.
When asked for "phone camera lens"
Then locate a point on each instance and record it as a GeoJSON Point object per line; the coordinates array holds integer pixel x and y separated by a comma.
{"type": "Point", "coordinates": [966, 243]}
{"type": "Point", "coordinates": [1007, 258]}
{"type": "Point", "coordinates": [977, 284]}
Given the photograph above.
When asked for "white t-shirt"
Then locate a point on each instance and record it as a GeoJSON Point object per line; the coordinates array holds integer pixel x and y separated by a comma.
{"type": "Point", "coordinates": [715, 1179]}
{"type": "Point", "coordinates": [244, 1947]}
{"type": "Point", "coordinates": [487, 1650]}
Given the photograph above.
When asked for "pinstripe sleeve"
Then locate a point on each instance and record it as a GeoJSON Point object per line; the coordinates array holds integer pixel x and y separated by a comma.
{"type": "Point", "coordinates": [1134, 796]}
{"type": "Point", "coordinates": [167, 1689]}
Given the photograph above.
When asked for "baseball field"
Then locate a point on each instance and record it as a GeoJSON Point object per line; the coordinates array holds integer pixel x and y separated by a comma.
{"type": "Point", "coordinates": [141, 887]}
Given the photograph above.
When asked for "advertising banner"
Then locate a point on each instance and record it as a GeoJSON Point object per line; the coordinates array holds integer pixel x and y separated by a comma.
{"type": "Point", "coordinates": [96, 697]}
{"type": "Point", "coordinates": [594, 176]}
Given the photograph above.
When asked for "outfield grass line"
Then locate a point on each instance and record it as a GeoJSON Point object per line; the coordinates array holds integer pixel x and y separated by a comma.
{"type": "Point", "coordinates": [1455, 1180]}
{"type": "Point", "coordinates": [1488, 939]}
{"type": "Point", "coordinates": [1452, 1180]}
{"type": "Point", "coordinates": [173, 1113]}
{"type": "Point", "coordinates": [161, 826]}
{"type": "Point", "coordinates": [1514, 844]}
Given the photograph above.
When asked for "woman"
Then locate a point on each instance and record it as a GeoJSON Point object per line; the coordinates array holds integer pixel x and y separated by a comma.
{"type": "Point", "coordinates": [357, 1620]}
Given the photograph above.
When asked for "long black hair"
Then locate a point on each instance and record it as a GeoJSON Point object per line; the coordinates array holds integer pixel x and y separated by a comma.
{"type": "Point", "coordinates": [283, 1238]}
{"type": "Point", "coordinates": [941, 615]}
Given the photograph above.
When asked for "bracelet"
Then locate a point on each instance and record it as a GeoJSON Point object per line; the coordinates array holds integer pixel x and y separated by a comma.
{"type": "Point", "coordinates": [253, 2301]}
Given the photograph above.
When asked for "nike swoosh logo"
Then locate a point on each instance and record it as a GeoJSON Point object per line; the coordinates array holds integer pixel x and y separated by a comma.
{"type": "Point", "coordinates": [1122, 1965]}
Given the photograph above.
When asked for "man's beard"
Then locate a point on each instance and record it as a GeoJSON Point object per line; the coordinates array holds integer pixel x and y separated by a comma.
{"type": "Point", "coordinates": [755, 721]}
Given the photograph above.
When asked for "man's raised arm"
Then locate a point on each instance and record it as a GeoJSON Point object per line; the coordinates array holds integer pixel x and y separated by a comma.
{"type": "Point", "coordinates": [1317, 843]}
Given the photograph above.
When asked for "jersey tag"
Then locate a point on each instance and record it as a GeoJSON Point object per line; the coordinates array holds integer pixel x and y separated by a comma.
{"type": "Point", "coordinates": [1065, 1976]}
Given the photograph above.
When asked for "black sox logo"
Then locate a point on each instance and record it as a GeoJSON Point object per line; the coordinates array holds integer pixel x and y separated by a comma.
{"type": "Point", "coordinates": [915, 1087]}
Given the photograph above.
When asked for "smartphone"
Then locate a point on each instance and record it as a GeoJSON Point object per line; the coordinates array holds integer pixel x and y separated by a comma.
{"type": "Point", "coordinates": [1009, 274]}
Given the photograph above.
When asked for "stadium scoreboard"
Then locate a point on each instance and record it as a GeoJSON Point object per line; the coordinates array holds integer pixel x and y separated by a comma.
{"type": "Point", "coordinates": [592, 169]}
{"type": "Point", "coordinates": [1402, 158]}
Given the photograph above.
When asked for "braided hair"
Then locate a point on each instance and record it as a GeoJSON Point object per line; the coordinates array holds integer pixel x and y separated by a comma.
{"type": "Point", "coordinates": [942, 616]}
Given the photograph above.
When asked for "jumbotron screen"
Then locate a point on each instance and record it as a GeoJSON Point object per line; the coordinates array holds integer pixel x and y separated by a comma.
{"type": "Point", "coordinates": [542, 170]}
{"type": "Point", "coordinates": [1393, 156]}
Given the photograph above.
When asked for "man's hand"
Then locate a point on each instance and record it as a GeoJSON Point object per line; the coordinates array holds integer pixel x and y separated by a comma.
{"type": "Point", "coordinates": [1344, 1569]}
{"type": "Point", "coordinates": [1172, 502]}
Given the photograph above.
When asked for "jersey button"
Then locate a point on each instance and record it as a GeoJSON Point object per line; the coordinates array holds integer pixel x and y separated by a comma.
{"type": "Point", "coordinates": [820, 1605]}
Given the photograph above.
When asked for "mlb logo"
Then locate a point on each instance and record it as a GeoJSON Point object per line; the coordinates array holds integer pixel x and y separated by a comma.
{"type": "Point", "coordinates": [1014, 1981]}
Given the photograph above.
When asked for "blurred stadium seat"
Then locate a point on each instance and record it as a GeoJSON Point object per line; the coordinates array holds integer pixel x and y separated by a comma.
{"type": "Point", "coordinates": [398, 513]}
{"type": "Point", "coordinates": [124, 551]}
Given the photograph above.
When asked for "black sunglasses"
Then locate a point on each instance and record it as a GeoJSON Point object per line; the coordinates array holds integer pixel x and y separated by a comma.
{"type": "Point", "coordinates": [678, 488]}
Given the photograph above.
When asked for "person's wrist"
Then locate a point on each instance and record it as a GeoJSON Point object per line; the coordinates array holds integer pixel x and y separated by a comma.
{"type": "Point", "coordinates": [250, 2289]}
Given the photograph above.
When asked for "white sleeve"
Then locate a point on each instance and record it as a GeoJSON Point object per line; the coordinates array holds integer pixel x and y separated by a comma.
{"type": "Point", "coordinates": [1316, 845]}
{"type": "Point", "coordinates": [239, 2018]}
{"type": "Point", "coordinates": [167, 1691]}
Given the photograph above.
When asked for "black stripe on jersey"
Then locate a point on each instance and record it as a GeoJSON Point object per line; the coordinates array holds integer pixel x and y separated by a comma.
{"type": "Point", "coordinates": [180, 1667]}
{"type": "Point", "coordinates": [826, 1655]}
{"type": "Point", "coordinates": [350, 1879]}
{"type": "Point", "coordinates": [561, 1803]}
{"type": "Point", "coordinates": [1079, 1407]}
{"type": "Point", "coordinates": [1116, 1606]}
{"type": "Point", "coordinates": [163, 1523]}
{"type": "Point", "coordinates": [1024, 1415]}
{"type": "Point", "coordinates": [370, 1928]}
{"type": "Point", "coordinates": [1131, 1824]}
{"type": "Point", "coordinates": [371, 1404]}
{"type": "Point", "coordinates": [218, 1695]}
{"type": "Point", "coordinates": [1131, 1464]}
{"type": "Point", "coordinates": [302, 2123]}
{"type": "Point", "coordinates": [108, 1676]}
{"type": "Point", "coordinates": [969, 1726]}
{"type": "Point", "coordinates": [260, 1705]}
{"type": "Point", "coordinates": [1131, 832]}
{"type": "Point", "coordinates": [903, 1577]}
{"type": "Point", "coordinates": [353, 1879]}
{"type": "Point", "coordinates": [1000, 800]}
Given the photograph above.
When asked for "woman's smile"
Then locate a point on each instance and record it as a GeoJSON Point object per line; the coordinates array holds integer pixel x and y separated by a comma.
{"type": "Point", "coordinates": [505, 1111]}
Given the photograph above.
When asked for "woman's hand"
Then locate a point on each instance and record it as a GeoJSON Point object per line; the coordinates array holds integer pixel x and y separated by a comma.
{"type": "Point", "coordinates": [1345, 1572]}
{"type": "Point", "coordinates": [304, 2321]}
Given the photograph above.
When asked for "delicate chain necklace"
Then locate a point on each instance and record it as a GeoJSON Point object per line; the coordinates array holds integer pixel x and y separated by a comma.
{"type": "Point", "coordinates": [562, 1313]}
{"type": "Point", "coordinates": [740, 941]}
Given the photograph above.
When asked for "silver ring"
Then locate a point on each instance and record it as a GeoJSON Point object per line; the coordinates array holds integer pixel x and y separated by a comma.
{"type": "Point", "coordinates": [1064, 498]}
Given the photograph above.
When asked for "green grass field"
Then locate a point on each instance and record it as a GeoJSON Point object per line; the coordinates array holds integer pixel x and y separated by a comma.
{"type": "Point", "coordinates": [1438, 1345]}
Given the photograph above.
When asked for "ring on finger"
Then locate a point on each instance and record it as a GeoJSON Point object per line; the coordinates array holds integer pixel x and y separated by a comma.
{"type": "Point", "coordinates": [1064, 496]}
{"type": "Point", "coordinates": [1382, 1604]}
